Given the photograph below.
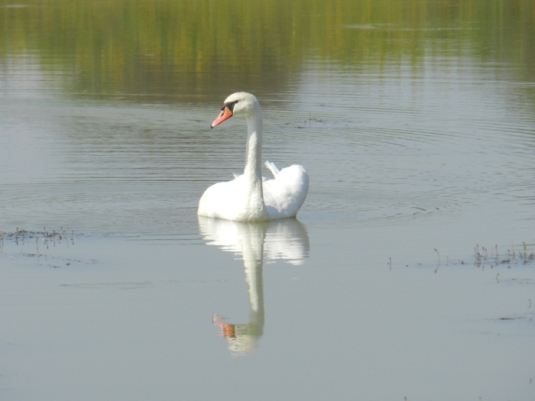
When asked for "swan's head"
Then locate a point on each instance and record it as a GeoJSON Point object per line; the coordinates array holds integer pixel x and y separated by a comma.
{"type": "Point", "coordinates": [240, 104]}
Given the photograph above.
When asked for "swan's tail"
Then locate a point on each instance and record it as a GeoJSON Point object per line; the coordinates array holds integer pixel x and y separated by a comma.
{"type": "Point", "coordinates": [271, 167]}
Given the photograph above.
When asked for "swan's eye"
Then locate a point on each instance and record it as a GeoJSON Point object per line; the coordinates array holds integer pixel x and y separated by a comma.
{"type": "Point", "coordinates": [230, 105]}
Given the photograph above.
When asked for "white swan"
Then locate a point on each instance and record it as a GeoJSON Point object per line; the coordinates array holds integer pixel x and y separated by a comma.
{"type": "Point", "coordinates": [249, 197]}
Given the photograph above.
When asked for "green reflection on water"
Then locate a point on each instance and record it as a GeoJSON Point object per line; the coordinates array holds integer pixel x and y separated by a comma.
{"type": "Point", "coordinates": [171, 50]}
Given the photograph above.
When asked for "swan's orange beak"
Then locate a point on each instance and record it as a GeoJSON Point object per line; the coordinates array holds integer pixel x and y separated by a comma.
{"type": "Point", "coordinates": [225, 114]}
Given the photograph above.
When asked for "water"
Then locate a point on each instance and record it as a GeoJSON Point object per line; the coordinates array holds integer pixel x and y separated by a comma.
{"type": "Point", "coordinates": [409, 272]}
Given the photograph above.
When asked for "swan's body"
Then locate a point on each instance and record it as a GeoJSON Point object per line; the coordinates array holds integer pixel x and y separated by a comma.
{"type": "Point", "coordinates": [250, 197]}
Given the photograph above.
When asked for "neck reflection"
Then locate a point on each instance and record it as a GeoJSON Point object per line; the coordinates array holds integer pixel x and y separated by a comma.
{"type": "Point", "coordinates": [254, 243]}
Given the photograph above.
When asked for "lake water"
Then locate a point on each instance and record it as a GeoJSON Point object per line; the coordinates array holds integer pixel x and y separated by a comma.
{"type": "Point", "coordinates": [409, 272]}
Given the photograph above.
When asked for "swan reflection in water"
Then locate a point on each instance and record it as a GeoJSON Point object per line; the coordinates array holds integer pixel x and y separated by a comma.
{"type": "Point", "coordinates": [254, 243]}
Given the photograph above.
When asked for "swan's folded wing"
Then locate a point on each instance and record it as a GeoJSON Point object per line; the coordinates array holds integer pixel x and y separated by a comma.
{"type": "Point", "coordinates": [271, 167]}
{"type": "Point", "coordinates": [286, 193]}
{"type": "Point", "coordinates": [220, 200]}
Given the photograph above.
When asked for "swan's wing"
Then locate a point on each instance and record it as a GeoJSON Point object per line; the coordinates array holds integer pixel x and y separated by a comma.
{"type": "Point", "coordinates": [285, 194]}
{"type": "Point", "coordinates": [271, 167]}
{"type": "Point", "coordinates": [222, 200]}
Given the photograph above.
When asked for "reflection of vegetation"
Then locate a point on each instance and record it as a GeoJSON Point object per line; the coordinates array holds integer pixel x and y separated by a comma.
{"type": "Point", "coordinates": [160, 47]}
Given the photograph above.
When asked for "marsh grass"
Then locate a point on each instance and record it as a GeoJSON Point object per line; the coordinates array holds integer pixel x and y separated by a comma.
{"type": "Point", "coordinates": [44, 240]}
{"type": "Point", "coordinates": [515, 255]}
{"type": "Point", "coordinates": [523, 254]}
{"type": "Point", "coordinates": [48, 238]}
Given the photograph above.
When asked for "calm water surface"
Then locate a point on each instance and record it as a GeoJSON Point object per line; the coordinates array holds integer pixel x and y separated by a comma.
{"type": "Point", "coordinates": [416, 123]}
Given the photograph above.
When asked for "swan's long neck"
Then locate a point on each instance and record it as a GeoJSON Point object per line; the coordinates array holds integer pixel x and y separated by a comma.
{"type": "Point", "coordinates": [253, 159]}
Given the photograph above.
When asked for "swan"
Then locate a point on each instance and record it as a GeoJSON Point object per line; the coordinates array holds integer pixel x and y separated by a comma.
{"type": "Point", "coordinates": [250, 197]}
